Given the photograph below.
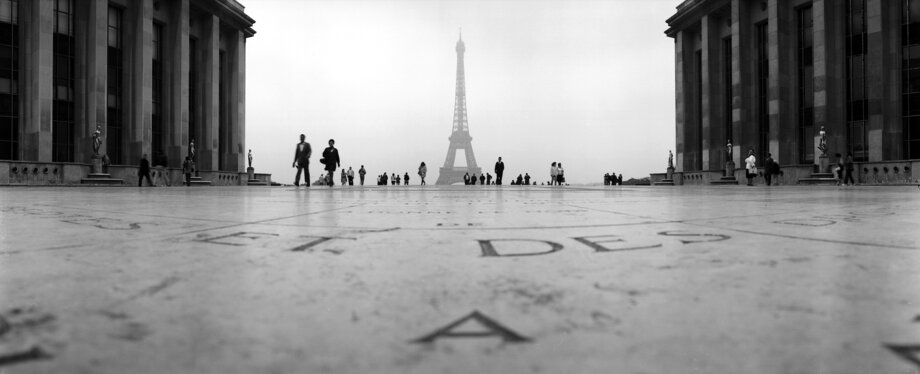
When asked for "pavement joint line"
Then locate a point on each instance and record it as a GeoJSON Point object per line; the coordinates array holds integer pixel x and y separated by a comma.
{"type": "Point", "coordinates": [884, 246]}
{"type": "Point", "coordinates": [267, 220]}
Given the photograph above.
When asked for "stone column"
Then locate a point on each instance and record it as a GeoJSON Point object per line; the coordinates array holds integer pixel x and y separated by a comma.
{"type": "Point", "coordinates": [92, 109]}
{"type": "Point", "coordinates": [37, 23]}
{"type": "Point", "coordinates": [140, 69]}
{"type": "Point", "coordinates": [830, 73]}
{"type": "Point", "coordinates": [210, 74]}
{"type": "Point", "coordinates": [782, 83]}
{"type": "Point", "coordinates": [883, 84]}
{"type": "Point", "coordinates": [237, 101]}
{"type": "Point", "coordinates": [683, 90]}
{"type": "Point", "coordinates": [741, 79]}
{"type": "Point", "coordinates": [178, 86]}
{"type": "Point", "coordinates": [712, 94]}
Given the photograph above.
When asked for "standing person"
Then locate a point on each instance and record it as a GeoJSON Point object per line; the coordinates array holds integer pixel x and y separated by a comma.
{"type": "Point", "coordinates": [302, 154]}
{"type": "Point", "coordinates": [499, 171]}
{"type": "Point", "coordinates": [768, 166]}
{"type": "Point", "coordinates": [344, 177]}
{"type": "Point", "coordinates": [482, 179]}
{"type": "Point", "coordinates": [750, 164]}
{"type": "Point", "coordinates": [560, 174]}
{"type": "Point", "coordinates": [553, 172]}
{"type": "Point", "coordinates": [848, 169]}
{"type": "Point", "coordinates": [526, 179]}
{"type": "Point", "coordinates": [466, 179]}
{"type": "Point", "coordinates": [160, 162]}
{"type": "Point", "coordinates": [473, 180]}
{"type": "Point", "coordinates": [398, 180]}
{"type": "Point", "coordinates": [489, 179]}
{"type": "Point", "coordinates": [406, 179]}
{"type": "Point", "coordinates": [144, 171]}
{"type": "Point", "coordinates": [351, 176]}
{"type": "Point", "coordinates": [361, 173]}
{"type": "Point", "coordinates": [331, 160]}
{"type": "Point", "coordinates": [187, 170]}
{"type": "Point", "coordinates": [520, 180]}
{"type": "Point", "coordinates": [422, 171]}
{"type": "Point", "coordinates": [838, 170]}
{"type": "Point", "coordinates": [620, 180]}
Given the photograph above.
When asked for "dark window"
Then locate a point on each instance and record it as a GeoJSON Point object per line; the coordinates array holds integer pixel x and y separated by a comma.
{"type": "Point", "coordinates": [62, 131]}
{"type": "Point", "coordinates": [727, 88]}
{"type": "Point", "coordinates": [157, 91]}
{"type": "Point", "coordinates": [698, 163]}
{"type": "Point", "coordinates": [806, 89]}
{"type": "Point", "coordinates": [115, 87]}
{"type": "Point", "coordinates": [9, 80]}
{"type": "Point", "coordinates": [763, 75]}
{"type": "Point", "coordinates": [910, 77]}
{"type": "Point", "coordinates": [857, 104]}
{"type": "Point", "coordinates": [193, 90]}
{"type": "Point", "coordinates": [223, 132]}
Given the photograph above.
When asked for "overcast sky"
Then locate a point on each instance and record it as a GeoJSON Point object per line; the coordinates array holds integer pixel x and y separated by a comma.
{"type": "Point", "coordinates": [586, 83]}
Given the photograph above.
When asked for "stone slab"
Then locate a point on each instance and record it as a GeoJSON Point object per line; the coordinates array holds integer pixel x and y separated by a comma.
{"type": "Point", "coordinates": [522, 279]}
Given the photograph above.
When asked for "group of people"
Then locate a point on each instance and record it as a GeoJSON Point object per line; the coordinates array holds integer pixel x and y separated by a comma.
{"type": "Point", "coordinates": [770, 168]}
{"type": "Point", "coordinates": [330, 159]}
{"type": "Point", "coordinates": [611, 179]}
{"type": "Point", "coordinates": [843, 170]}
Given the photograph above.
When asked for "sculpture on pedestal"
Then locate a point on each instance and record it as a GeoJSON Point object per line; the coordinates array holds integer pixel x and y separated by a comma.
{"type": "Point", "coordinates": [670, 159]}
{"type": "Point", "coordinates": [250, 159]}
{"type": "Point", "coordinates": [97, 141]}
{"type": "Point", "coordinates": [191, 150]}
{"type": "Point", "coordinates": [728, 149]}
{"type": "Point", "coordinates": [822, 144]}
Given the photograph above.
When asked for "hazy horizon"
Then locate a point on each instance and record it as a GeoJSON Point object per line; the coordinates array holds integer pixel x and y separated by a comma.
{"type": "Point", "coordinates": [586, 83]}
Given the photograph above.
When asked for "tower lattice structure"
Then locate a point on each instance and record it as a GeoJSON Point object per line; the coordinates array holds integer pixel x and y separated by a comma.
{"type": "Point", "coordinates": [460, 134]}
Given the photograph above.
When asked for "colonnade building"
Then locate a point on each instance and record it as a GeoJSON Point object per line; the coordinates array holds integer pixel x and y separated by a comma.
{"type": "Point", "coordinates": [768, 74]}
{"type": "Point", "coordinates": [152, 74]}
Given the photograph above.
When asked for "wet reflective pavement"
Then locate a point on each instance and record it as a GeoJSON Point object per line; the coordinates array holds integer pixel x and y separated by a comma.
{"type": "Point", "coordinates": [460, 279]}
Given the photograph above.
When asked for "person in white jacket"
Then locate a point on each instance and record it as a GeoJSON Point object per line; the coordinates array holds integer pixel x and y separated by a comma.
{"type": "Point", "coordinates": [750, 163]}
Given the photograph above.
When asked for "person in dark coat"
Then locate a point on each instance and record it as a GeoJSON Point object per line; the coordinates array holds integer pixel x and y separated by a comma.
{"type": "Point", "coordinates": [489, 179]}
{"type": "Point", "coordinates": [526, 179]}
{"type": "Point", "coordinates": [848, 170]}
{"type": "Point", "coordinates": [144, 171]}
{"type": "Point", "coordinates": [406, 179]}
{"type": "Point", "coordinates": [499, 170]}
{"type": "Point", "coordinates": [768, 166]}
{"type": "Point", "coordinates": [331, 160]}
{"type": "Point", "coordinates": [482, 179]}
{"type": "Point", "coordinates": [187, 170]}
{"type": "Point", "coordinates": [466, 179]}
{"type": "Point", "coordinates": [302, 160]}
{"type": "Point", "coordinates": [520, 180]}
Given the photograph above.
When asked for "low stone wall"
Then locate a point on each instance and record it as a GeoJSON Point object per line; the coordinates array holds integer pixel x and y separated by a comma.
{"type": "Point", "coordinates": [27, 173]}
{"type": "Point", "coordinates": [873, 173]}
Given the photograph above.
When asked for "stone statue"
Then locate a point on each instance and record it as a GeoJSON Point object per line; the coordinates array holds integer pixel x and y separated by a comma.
{"type": "Point", "coordinates": [728, 148]}
{"type": "Point", "coordinates": [191, 150]}
{"type": "Point", "coordinates": [670, 159]}
{"type": "Point", "coordinates": [822, 144]}
{"type": "Point", "coordinates": [97, 140]}
{"type": "Point", "coordinates": [250, 159]}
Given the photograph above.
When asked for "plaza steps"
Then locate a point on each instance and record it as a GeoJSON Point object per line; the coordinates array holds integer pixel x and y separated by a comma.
{"type": "Point", "coordinates": [665, 182]}
{"type": "Point", "coordinates": [101, 178]}
{"type": "Point", "coordinates": [725, 181]}
{"type": "Point", "coordinates": [197, 181]}
{"type": "Point", "coordinates": [256, 182]}
{"type": "Point", "coordinates": [819, 179]}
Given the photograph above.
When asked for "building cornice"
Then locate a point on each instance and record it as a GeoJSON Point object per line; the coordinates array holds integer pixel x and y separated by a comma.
{"type": "Point", "coordinates": [689, 13]}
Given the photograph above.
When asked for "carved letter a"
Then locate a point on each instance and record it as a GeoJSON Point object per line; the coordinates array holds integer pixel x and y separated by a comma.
{"type": "Point", "coordinates": [493, 329]}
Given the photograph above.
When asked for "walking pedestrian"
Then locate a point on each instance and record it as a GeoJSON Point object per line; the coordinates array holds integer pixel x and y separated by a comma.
{"type": "Point", "coordinates": [144, 172]}
{"type": "Point", "coordinates": [331, 160]}
{"type": "Point", "coordinates": [750, 165]}
{"type": "Point", "coordinates": [302, 154]}
{"type": "Point", "coordinates": [560, 174]}
{"type": "Point", "coordinates": [482, 179]}
{"type": "Point", "coordinates": [187, 170]}
{"type": "Point", "coordinates": [520, 180]}
{"type": "Point", "coordinates": [406, 179]}
{"type": "Point", "coordinates": [422, 171]}
{"type": "Point", "coordinates": [361, 173]}
{"type": "Point", "coordinates": [526, 179]}
{"type": "Point", "coordinates": [351, 176]}
{"type": "Point", "coordinates": [848, 168]}
{"type": "Point", "coordinates": [499, 171]}
{"type": "Point", "coordinates": [473, 180]}
{"type": "Point", "coordinates": [553, 172]}
{"type": "Point", "coordinates": [489, 179]}
{"type": "Point", "coordinates": [838, 169]}
{"type": "Point", "coordinates": [393, 179]}
{"type": "Point", "coordinates": [768, 166]}
{"type": "Point", "coordinates": [466, 179]}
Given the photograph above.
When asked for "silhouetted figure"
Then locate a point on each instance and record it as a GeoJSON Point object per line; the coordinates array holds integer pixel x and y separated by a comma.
{"type": "Point", "coordinates": [848, 170]}
{"type": "Point", "coordinates": [520, 180]}
{"type": "Point", "coordinates": [553, 172]}
{"type": "Point", "coordinates": [526, 179]}
{"type": "Point", "coordinates": [606, 179]}
{"type": "Point", "coordinates": [768, 166]}
{"type": "Point", "coordinates": [187, 170]}
{"type": "Point", "coordinates": [482, 179]}
{"type": "Point", "coordinates": [406, 179]}
{"type": "Point", "coordinates": [144, 171]}
{"type": "Point", "coordinates": [393, 179]}
{"type": "Point", "coordinates": [302, 154]}
{"type": "Point", "coordinates": [620, 180]}
{"type": "Point", "coordinates": [331, 160]}
{"type": "Point", "coordinates": [397, 181]}
{"type": "Point", "coordinates": [499, 171]}
{"type": "Point", "coordinates": [361, 173]}
{"type": "Point", "coordinates": [560, 174]}
{"type": "Point", "coordinates": [489, 179]}
{"type": "Point", "coordinates": [351, 176]}
{"type": "Point", "coordinates": [473, 180]}
{"type": "Point", "coordinates": [750, 165]}
{"type": "Point", "coordinates": [466, 179]}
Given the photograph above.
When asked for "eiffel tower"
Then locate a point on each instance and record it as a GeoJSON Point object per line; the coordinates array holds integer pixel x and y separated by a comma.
{"type": "Point", "coordinates": [460, 136]}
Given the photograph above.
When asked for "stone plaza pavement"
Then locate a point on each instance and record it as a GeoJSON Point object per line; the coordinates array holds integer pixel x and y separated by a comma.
{"type": "Point", "coordinates": [461, 279]}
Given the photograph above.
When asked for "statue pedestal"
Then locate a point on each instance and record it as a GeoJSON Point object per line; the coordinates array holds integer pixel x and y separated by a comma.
{"type": "Point", "coordinates": [823, 176]}
{"type": "Point", "coordinates": [729, 177]}
{"type": "Point", "coordinates": [669, 180]}
{"type": "Point", "coordinates": [251, 172]}
{"type": "Point", "coordinates": [252, 178]}
{"type": "Point", "coordinates": [97, 165]}
{"type": "Point", "coordinates": [96, 176]}
{"type": "Point", "coordinates": [822, 164]}
{"type": "Point", "coordinates": [670, 173]}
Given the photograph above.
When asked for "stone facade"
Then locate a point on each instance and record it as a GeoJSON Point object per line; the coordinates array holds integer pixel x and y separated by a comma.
{"type": "Point", "coordinates": [768, 74]}
{"type": "Point", "coordinates": [152, 74]}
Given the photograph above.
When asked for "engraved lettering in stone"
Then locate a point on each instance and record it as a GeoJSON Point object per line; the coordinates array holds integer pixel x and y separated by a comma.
{"type": "Point", "coordinates": [909, 352]}
{"type": "Point", "coordinates": [237, 239]}
{"type": "Point", "coordinates": [702, 237]}
{"type": "Point", "coordinates": [317, 241]}
{"type": "Point", "coordinates": [488, 328]}
{"type": "Point", "coordinates": [105, 223]}
{"type": "Point", "coordinates": [807, 222]}
{"type": "Point", "coordinates": [611, 243]}
{"type": "Point", "coordinates": [488, 248]}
